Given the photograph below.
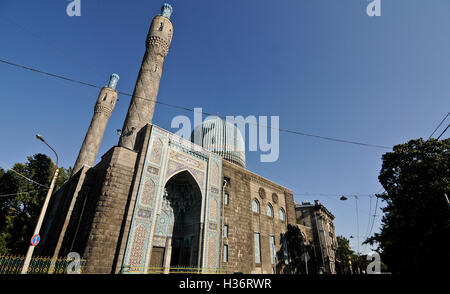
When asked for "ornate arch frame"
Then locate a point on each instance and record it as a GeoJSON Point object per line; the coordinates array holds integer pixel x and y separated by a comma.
{"type": "Point", "coordinates": [166, 156]}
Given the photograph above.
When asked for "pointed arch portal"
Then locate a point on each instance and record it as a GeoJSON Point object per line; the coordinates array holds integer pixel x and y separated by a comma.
{"type": "Point", "coordinates": [176, 217]}
{"type": "Point", "coordinates": [182, 199]}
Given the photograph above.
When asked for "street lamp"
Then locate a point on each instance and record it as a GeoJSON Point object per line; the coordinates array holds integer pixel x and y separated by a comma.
{"type": "Point", "coordinates": [26, 264]}
{"type": "Point", "coordinates": [56, 154]}
{"type": "Point", "coordinates": [357, 217]}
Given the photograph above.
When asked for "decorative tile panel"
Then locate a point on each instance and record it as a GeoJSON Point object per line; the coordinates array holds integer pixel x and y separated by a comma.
{"type": "Point", "coordinates": [153, 218]}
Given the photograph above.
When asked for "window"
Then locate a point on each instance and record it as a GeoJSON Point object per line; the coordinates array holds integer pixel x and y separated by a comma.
{"type": "Point", "coordinates": [255, 206]}
{"type": "Point", "coordinates": [282, 214]}
{"type": "Point", "coordinates": [269, 210]}
{"type": "Point", "coordinates": [272, 248]}
{"type": "Point", "coordinates": [225, 253]}
{"type": "Point", "coordinates": [257, 248]}
{"type": "Point", "coordinates": [225, 231]}
{"type": "Point", "coordinates": [226, 198]}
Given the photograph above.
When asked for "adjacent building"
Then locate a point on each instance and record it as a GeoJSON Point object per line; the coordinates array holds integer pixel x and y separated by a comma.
{"type": "Point", "coordinates": [316, 223]}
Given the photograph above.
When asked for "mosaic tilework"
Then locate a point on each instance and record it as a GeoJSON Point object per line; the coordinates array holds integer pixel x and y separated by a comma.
{"type": "Point", "coordinates": [211, 260]}
{"type": "Point", "coordinates": [166, 156]}
{"type": "Point", "coordinates": [212, 233]}
{"type": "Point", "coordinates": [155, 156]}
{"type": "Point", "coordinates": [213, 210]}
{"type": "Point", "coordinates": [148, 192]}
{"type": "Point", "coordinates": [135, 259]}
{"type": "Point", "coordinates": [143, 216]}
{"type": "Point", "coordinates": [215, 175]}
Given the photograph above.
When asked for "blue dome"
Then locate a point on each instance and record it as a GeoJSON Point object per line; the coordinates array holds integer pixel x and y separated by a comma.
{"type": "Point", "coordinates": [222, 138]}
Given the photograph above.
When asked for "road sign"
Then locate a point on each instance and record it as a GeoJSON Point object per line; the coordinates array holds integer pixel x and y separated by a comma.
{"type": "Point", "coordinates": [35, 240]}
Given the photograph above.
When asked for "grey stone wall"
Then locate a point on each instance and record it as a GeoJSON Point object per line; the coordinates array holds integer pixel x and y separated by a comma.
{"type": "Point", "coordinates": [319, 221]}
{"type": "Point", "coordinates": [243, 223]}
{"type": "Point", "coordinates": [110, 210]}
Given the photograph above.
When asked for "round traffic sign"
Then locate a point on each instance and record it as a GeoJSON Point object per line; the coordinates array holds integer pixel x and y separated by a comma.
{"type": "Point", "coordinates": [35, 240]}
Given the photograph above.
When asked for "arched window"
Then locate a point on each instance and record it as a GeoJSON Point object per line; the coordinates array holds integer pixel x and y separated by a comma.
{"type": "Point", "coordinates": [282, 214]}
{"type": "Point", "coordinates": [255, 206]}
{"type": "Point", "coordinates": [269, 210]}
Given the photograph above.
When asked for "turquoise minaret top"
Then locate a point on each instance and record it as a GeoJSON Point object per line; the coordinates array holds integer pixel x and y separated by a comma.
{"type": "Point", "coordinates": [113, 81]}
{"type": "Point", "coordinates": [166, 10]}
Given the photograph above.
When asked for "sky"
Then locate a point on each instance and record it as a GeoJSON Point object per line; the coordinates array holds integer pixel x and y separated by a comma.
{"type": "Point", "coordinates": [323, 66]}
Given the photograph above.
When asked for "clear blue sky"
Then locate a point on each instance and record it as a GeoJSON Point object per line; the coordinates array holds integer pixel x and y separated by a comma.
{"type": "Point", "coordinates": [323, 66]}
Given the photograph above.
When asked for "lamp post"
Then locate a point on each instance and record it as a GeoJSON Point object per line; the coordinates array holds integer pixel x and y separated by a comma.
{"type": "Point", "coordinates": [26, 264]}
{"type": "Point", "coordinates": [357, 217]}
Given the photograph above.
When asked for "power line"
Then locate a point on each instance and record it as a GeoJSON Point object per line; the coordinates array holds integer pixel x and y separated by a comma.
{"type": "Point", "coordinates": [357, 222]}
{"type": "Point", "coordinates": [373, 221]}
{"type": "Point", "coordinates": [331, 195]}
{"type": "Point", "coordinates": [19, 193]}
{"type": "Point", "coordinates": [23, 176]}
{"type": "Point", "coordinates": [190, 109]}
{"type": "Point", "coordinates": [443, 132]}
{"type": "Point", "coordinates": [374, 213]}
{"type": "Point", "coordinates": [48, 43]}
{"type": "Point", "coordinates": [439, 125]}
{"type": "Point", "coordinates": [370, 211]}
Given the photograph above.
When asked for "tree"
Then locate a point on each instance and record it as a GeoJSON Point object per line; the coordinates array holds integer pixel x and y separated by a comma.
{"type": "Point", "coordinates": [415, 225]}
{"type": "Point", "coordinates": [344, 256]}
{"type": "Point", "coordinates": [296, 245]}
{"type": "Point", "coordinates": [359, 263]}
{"type": "Point", "coordinates": [20, 209]}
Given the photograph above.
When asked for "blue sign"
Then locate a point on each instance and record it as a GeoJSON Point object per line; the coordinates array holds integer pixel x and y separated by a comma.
{"type": "Point", "coordinates": [35, 240]}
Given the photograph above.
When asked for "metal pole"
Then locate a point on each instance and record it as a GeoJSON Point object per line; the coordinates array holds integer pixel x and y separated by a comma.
{"type": "Point", "coordinates": [306, 263]}
{"type": "Point", "coordinates": [223, 220]}
{"type": "Point", "coordinates": [446, 199]}
{"type": "Point", "coordinates": [39, 223]}
{"type": "Point", "coordinates": [357, 221]}
{"type": "Point", "coordinates": [26, 263]}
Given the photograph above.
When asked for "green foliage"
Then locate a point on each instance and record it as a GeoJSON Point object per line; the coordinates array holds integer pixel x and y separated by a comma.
{"type": "Point", "coordinates": [19, 212]}
{"type": "Point", "coordinates": [415, 226]}
{"type": "Point", "coordinates": [359, 263]}
{"type": "Point", "coordinates": [344, 256]}
{"type": "Point", "coordinates": [296, 246]}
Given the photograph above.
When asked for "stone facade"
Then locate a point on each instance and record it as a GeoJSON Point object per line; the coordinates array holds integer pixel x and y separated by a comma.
{"type": "Point", "coordinates": [142, 105]}
{"type": "Point", "coordinates": [242, 223]}
{"type": "Point", "coordinates": [316, 222]}
{"type": "Point", "coordinates": [110, 210]}
{"type": "Point", "coordinates": [158, 210]}
{"type": "Point", "coordinates": [157, 200]}
{"type": "Point", "coordinates": [103, 109]}
{"type": "Point", "coordinates": [307, 233]}
{"type": "Point", "coordinates": [111, 220]}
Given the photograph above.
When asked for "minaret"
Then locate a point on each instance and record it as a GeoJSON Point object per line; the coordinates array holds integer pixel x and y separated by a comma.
{"type": "Point", "coordinates": [142, 105]}
{"type": "Point", "coordinates": [103, 108]}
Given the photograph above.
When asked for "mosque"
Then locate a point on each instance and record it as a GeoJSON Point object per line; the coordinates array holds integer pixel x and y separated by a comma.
{"type": "Point", "coordinates": [158, 201]}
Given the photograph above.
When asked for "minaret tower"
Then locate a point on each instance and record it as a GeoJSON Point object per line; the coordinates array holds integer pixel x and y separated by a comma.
{"type": "Point", "coordinates": [142, 105]}
{"type": "Point", "coordinates": [103, 108]}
